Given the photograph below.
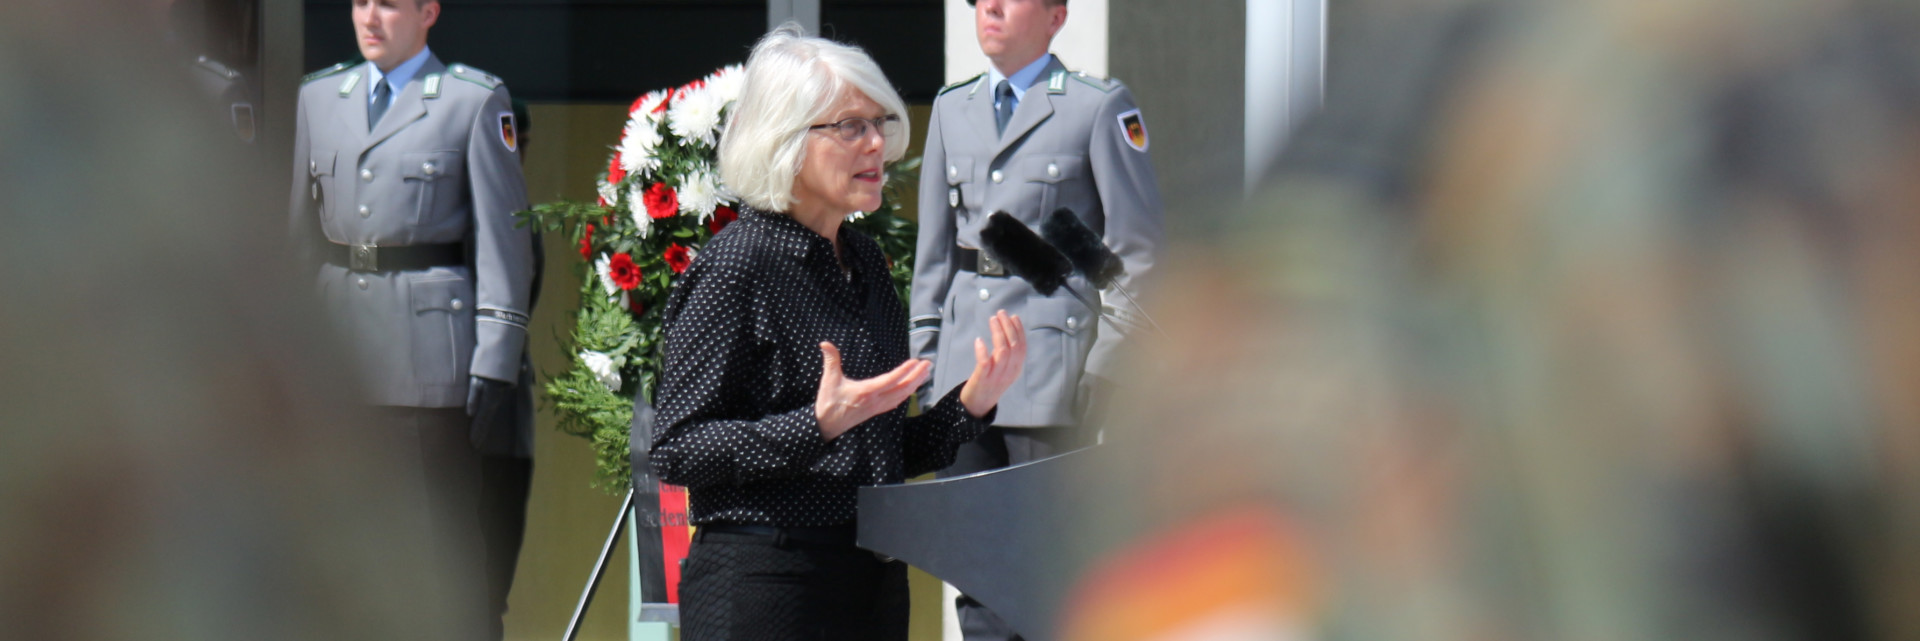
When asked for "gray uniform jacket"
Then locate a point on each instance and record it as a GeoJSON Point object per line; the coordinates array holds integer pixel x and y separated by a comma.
{"type": "Point", "coordinates": [438, 169]}
{"type": "Point", "coordinates": [1066, 145]}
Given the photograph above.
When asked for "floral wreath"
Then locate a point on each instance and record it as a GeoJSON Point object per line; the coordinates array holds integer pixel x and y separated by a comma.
{"type": "Point", "coordinates": [659, 202]}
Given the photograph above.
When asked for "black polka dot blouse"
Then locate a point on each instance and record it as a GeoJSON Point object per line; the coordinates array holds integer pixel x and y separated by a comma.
{"type": "Point", "coordinates": [736, 423]}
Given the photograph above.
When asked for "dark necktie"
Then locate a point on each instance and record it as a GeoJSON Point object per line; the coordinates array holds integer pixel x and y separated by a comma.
{"type": "Point", "coordinates": [1003, 111]}
{"type": "Point", "coordinates": [382, 97]}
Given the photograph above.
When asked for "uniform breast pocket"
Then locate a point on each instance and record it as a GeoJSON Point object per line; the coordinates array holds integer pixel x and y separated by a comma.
{"type": "Point", "coordinates": [961, 191]}
{"type": "Point", "coordinates": [1061, 178]}
{"type": "Point", "coordinates": [442, 328]}
{"type": "Point", "coordinates": [435, 178]}
{"type": "Point", "coordinates": [320, 173]}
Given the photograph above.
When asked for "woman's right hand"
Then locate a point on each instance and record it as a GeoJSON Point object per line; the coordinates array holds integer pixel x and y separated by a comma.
{"type": "Point", "coordinates": [844, 403]}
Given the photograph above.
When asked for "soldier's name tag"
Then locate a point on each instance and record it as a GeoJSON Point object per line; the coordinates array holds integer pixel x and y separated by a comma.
{"type": "Point", "coordinates": [1134, 129]}
{"type": "Point", "coordinates": [508, 136]}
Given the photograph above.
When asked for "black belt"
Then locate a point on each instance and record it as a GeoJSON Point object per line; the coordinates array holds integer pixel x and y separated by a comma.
{"type": "Point", "coordinates": [370, 258]}
{"type": "Point", "coordinates": [980, 262]}
{"type": "Point", "coordinates": [827, 535]}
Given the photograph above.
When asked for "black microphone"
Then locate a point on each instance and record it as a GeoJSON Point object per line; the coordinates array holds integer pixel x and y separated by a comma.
{"type": "Point", "coordinates": [1024, 253]}
{"type": "Point", "coordinates": [1089, 255]}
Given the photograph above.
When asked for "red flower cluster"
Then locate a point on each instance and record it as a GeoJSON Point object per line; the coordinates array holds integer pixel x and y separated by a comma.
{"type": "Point", "coordinates": [615, 172]}
{"type": "Point", "coordinates": [662, 201]}
{"type": "Point", "coordinates": [678, 258]}
{"type": "Point", "coordinates": [721, 217]}
{"type": "Point", "coordinates": [623, 272]}
{"type": "Point", "coordinates": [634, 305]}
{"type": "Point", "coordinates": [586, 242]}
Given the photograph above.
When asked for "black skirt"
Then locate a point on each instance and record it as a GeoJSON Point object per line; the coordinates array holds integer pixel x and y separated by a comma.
{"type": "Point", "coordinates": [771, 587]}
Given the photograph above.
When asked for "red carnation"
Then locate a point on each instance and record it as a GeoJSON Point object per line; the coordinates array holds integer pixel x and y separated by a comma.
{"type": "Point", "coordinates": [721, 217]}
{"type": "Point", "coordinates": [623, 272]}
{"type": "Point", "coordinates": [678, 258]}
{"type": "Point", "coordinates": [586, 242]}
{"type": "Point", "coordinates": [615, 172]}
{"type": "Point", "coordinates": [662, 202]}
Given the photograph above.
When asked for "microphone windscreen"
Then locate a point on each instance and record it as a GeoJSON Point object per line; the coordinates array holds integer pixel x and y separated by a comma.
{"type": "Point", "coordinates": [1024, 253]}
{"type": "Point", "coordinates": [1089, 255]}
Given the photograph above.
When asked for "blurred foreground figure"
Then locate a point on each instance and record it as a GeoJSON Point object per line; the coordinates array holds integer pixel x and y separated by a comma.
{"type": "Point", "coordinates": [1577, 320]}
{"type": "Point", "coordinates": [175, 461]}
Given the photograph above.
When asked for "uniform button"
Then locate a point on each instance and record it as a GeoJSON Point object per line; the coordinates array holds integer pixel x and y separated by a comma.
{"type": "Point", "coordinates": [457, 304]}
{"type": "Point", "coordinates": [362, 283]}
{"type": "Point", "coordinates": [953, 172]}
{"type": "Point", "coordinates": [365, 212]}
{"type": "Point", "coordinates": [366, 175]}
{"type": "Point", "coordinates": [984, 294]}
{"type": "Point", "coordinates": [428, 168]}
{"type": "Point", "coordinates": [997, 176]}
{"type": "Point", "coordinates": [313, 166]}
{"type": "Point", "coordinates": [1053, 170]}
{"type": "Point", "coordinates": [1072, 322]}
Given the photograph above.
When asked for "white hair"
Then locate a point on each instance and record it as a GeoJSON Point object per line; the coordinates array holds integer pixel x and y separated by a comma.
{"type": "Point", "coordinates": [792, 81]}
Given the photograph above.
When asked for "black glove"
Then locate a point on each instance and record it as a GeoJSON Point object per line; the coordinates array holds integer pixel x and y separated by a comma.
{"type": "Point", "coordinates": [484, 396]}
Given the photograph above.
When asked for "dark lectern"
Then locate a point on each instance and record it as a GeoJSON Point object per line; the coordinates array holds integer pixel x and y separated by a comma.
{"type": "Point", "coordinates": [1000, 536]}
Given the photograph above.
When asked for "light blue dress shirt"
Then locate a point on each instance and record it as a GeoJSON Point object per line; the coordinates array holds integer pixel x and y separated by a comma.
{"type": "Point", "coordinates": [1020, 80]}
{"type": "Point", "coordinates": [398, 78]}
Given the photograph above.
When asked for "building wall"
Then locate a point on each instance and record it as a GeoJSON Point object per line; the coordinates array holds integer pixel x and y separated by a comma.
{"type": "Point", "coordinates": [1187, 70]}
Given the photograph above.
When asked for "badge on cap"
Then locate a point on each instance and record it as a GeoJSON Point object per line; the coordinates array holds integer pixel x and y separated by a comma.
{"type": "Point", "coordinates": [507, 135]}
{"type": "Point", "coordinates": [1135, 129]}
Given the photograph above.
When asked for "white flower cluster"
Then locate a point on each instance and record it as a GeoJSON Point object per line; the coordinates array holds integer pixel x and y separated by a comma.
{"type": "Point", "coordinates": [690, 115]}
{"type": "Point", "coordinates": [603, 368]}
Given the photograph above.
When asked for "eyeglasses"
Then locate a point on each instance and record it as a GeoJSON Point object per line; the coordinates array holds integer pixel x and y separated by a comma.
{"type": "Point", "coordinates": [856, 129]}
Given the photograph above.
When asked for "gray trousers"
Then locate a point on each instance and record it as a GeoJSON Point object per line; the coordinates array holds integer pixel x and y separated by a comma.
{"type": "Point", "coordinates": [996, 448]}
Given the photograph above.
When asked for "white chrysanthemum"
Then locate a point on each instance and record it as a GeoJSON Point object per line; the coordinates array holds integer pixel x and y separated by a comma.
{"type": "Point", "coordinates": [649, 104]}
{"type": "Point", "coordinates": [602, 367]}
{"type": "Point", "coordinates": [726, 83]}
{"type": "Point", "coordinates": [609, 193]}
{"type": "Point", "coordinates": [695, 116]}
{"type": "Point", "coordinates": [637, 143]}
{"type": "Point", "coordinates": [699, 193]}
{"type": "Point", "coordinates": [637, 209]}
{"type": "Point", "coordinates": [603, 269]}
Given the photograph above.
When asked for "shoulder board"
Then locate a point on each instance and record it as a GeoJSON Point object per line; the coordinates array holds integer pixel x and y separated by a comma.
{"type": "Point", "coordinates": [329, 71]}
{"type": "Point", "coordinates": [473, 75]}
{"type": "Point", "coordinates": [963, 83]}
{"type": "Point", "coordinates": [216, 68]}
{"type": "Point", "coordinates": [1103, 84]}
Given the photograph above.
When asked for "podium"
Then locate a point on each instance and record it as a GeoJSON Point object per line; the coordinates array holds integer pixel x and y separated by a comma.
{"type": "Point", "coordinates": [1000, 536]}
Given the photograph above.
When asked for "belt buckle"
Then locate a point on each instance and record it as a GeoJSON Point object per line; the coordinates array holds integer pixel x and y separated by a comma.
{"type": "Point", "coordinates": [363, 258]}
{"type": "Point", "coordinates": [990, 267]}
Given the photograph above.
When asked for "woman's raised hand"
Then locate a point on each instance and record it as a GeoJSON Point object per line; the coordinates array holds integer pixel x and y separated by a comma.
{"type": "Point", "coordinates": [844, 403]}
{"type": "Point", "coordinates": [994, 373]}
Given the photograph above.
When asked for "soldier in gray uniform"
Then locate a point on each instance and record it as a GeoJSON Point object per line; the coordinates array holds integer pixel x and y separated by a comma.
{"type": "Point", "coordinates": [404, 188]}
{"type": "Point", "coordinates": [1026, 137]}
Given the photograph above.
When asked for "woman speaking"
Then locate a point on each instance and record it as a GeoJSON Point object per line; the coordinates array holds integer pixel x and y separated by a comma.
{"type": "Point", "coordinates": [786, 363]}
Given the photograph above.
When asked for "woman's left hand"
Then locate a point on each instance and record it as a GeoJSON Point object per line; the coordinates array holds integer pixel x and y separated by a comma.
{"type": "Point", "coordinates": [994, 372]}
